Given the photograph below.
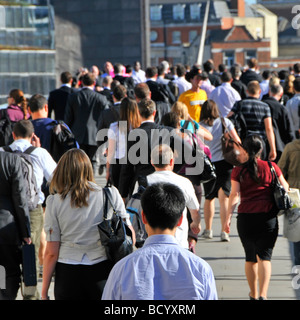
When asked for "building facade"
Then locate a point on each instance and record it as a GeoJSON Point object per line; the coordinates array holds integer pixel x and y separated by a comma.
{"type": "Point", "coordinates": [27, 51]}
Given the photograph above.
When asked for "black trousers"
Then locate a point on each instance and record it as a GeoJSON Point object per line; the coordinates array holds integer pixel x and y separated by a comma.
{"type": "Point", "coordinates": [10, 259]}
{"type": "Point", "coordinates": [91, 153]}
{"type": "Point", "coordinates": [81, 282]}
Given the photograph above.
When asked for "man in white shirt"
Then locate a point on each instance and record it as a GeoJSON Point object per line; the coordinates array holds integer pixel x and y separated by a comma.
{"type": "Point", "coordinates": [182, 84]}
{"type": "Point", "coordinates": [162, 159]}
{"type": "Point", "coordinates": [225, 96]}
{"type": "Point", "coordinates": [138, 74]}
{"type": "Point", "coordinates": [43, 166]}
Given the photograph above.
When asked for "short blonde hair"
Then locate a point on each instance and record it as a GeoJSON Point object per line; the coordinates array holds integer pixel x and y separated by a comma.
{"type": "Point", "coordinates": [181, 109]}
{"type": "Point", "coordinates": [161, 156]}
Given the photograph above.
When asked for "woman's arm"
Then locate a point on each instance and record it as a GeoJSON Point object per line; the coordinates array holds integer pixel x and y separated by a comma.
{"type": "Point", "coordinates": [203, 132]}
{"type": "Point", "coordinates": [50, 259]}
{"type": "Point", "coordinates": [110, 155]}
{"type": "Point", "coordinates": [233, 201]}
{"type": "Point", "coordinates": [234, 135]}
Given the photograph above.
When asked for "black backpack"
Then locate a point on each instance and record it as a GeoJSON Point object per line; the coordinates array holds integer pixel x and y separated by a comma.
{"type": "Point", "coordinates": [239, 122]}
{"type": "Point", "coordinates": [62, 139]}
{"type": "Point", "coordinates": [6, 129]}
{"type": "Point", "coordinates": [32, 194]}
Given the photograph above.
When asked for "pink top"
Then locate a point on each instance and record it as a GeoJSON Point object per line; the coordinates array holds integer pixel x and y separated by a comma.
{"type": "Point", "coordinates": [15, 113]}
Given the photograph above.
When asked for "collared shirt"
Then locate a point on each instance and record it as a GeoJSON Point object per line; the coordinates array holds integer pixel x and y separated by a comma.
{"type": "Point", "coordinates": [190, 198]}
{"type": "Point", "coordinates": [264, 86]}
{"type": "Point", "coordinates": [138, 76]}
{"type": "Point", "coordinates": [161, 270]}
{"type": "Point", "coordinates": [183, 85]}
{"type": "Point", "coordinates": [292, 107]}
{"type": "Point", "coordinates": [225, 97]}
{"type": "Point", "coordinates": [42, 162]}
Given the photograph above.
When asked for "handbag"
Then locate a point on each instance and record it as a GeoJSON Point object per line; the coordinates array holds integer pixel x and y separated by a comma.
{"type": "Point", "coordinates": [291, 224]}
{"type": "Point", "coordinates": [209, 171]}
{"type": "Point", "coordinates": [115, 235]}
{"type": "Point", "coordinates": [29, 265]}
{"type": "Point", "coordinates": [233, 151]}
{"type": "Point", "coordinates": [281, 196]}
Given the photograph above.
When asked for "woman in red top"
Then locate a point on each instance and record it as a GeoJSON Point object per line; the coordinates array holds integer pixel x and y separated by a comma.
{"type": "Point", "coordinates": [257, 222]}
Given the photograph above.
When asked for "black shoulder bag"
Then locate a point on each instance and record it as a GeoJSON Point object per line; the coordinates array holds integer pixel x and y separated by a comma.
{"type": "Point", "coordinates": [115, 235]}
{"type": "Point", "coordinates": [281, 197]}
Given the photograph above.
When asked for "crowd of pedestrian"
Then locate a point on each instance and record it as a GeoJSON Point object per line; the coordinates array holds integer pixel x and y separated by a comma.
{"type": "Point", "coordinates": [142, 127]}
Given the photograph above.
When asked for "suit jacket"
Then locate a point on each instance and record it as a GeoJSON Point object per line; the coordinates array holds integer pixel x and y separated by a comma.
{"type": "Point", "coordinates": [250, 75]}
{"type": "Point", "coordinates": [14, 214]}
{"type": "Point", "coordinates": [130, 172]}
{"type": "Point", "coordinates": [108, 94]}
{"type": "Point", "coordinates": [281, 123]}
{"type": "Point", "coordinates": [160, 92]}
{"type": "Point", "coordinates": [240, 87]}
{"type": "Point", "coordinates": [57, 102]}
{"type": "Point", "coordinates": [83, 113]}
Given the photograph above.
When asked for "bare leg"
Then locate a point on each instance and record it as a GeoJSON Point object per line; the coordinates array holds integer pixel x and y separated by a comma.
{"type": "Point", "coordinates": [223, 200]}
{"type": "Point", "coordinates": [264, 276]}
{"type": "Point", "coordinates": [251, 271]}
{"type": "Point", "coordinates": [209, 212]}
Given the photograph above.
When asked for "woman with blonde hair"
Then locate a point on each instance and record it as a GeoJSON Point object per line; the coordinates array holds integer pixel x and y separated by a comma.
{"type": "Point", "coordinates": [74, 250]}
{"type": "Point", "coordinates": [129, 120]}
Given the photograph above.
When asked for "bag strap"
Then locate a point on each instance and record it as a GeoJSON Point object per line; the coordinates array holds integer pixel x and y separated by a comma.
{"type": "Point", "coordinates": [29, 150]}
{"type": "Point", "coordinates": [107, 198]}
{"type": "Point", "coordinates": [274, 174]}
{"type": "Point", "coordinates": [7, 149]}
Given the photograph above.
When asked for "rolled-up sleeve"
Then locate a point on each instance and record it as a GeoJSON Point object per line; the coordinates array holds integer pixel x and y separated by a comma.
{"type": "Point", "coordinates": [51, 225]}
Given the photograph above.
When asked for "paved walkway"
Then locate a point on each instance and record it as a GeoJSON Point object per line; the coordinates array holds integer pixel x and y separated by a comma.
{"type": "Point", "coordinates": [227, 262]}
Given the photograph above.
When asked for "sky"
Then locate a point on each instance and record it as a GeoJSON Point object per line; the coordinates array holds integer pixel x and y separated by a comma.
{"type": "Point", "coordinates": [251, 1]}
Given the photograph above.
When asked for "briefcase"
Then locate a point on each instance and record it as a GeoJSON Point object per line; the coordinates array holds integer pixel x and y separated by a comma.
{"type": "Point", "coordinates": [28, 265]}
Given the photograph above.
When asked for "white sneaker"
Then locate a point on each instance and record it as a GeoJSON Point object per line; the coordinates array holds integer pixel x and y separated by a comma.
{"type": "Point", "coordinates": [207, 234]}
{"type": "Point", "coordinates": [225, 236]}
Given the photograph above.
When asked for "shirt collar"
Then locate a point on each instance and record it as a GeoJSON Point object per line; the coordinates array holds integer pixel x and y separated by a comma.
{"type": "Point", "coordinates": [20, 145]}
{"type": "Point", "coordinates": [161, 239]}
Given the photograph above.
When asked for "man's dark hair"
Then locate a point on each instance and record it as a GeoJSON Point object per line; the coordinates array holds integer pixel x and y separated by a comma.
{"type": "Point", "coordinates": [23, 129]}
{"type": "Point", "coordinates": [252, 63]}
{"type": "Point", "coordinates": [208, 66]}
{"type": "Point", "coordinates": [163, 205]}
{"type": "Point", "coordinates": [120, 92]}
{"type": "Point", "coordinates": [222, 67]}
{"type": "Point", "coordinates": [160, 70]}
{"type": "Point", "coordinates": [146, 108]}
{"type": "Point", "coordinates": [118, 68]}
{"type": "Point", "coordinates": [226, 76]}
{"type": "Point", "coordinates": [296, 68]}
{"type": "Point", "coordinates": [66, 77]}
{"type": "Point", "coordinates": [235, 71]}
{"type": "Point", "coordinates": [283, 74]}
{"type": "Point", "coordinates": [37, 102]}
{"type": "Point", "coordinates": [141, 90]}
{"type": "Point", "coordinates": [151, 72]}
{"type": "Point", "coordinates": [296, 83]}
{"type": "Point", "coordinates": [181, 70]}
{"type": "Point", "coordinates": [170, 119]}
{"type": "Point", "coordinates": [266, 74]}
{"type": "Point", "coordinates": [88, 79]}
{"type": "Point", "coordinates": [129, 68]}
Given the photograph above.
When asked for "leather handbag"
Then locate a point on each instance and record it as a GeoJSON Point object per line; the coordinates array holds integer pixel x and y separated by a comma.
{"type": "Point", "coordinates": [233, 151]}
{"type": "Point", "coordinates": [281, 196]}
{"type": "Point", "coordinates": [29, 265]}
{"type": "Point", "coordinates": [115, 235]}
{"type": "Point", "coordinates": [209, 171]}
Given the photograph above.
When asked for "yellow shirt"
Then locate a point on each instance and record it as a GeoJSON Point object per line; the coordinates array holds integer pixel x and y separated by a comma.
{"type": "Point", "coordinates": [194, 102]}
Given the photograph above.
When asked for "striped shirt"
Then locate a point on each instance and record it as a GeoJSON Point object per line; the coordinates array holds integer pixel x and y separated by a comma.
{"type": "Point", "coordinates": [255, 112]}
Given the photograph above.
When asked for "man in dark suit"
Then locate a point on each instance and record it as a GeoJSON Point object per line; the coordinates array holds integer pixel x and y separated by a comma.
{"type": "Point", "coordinates": [127, 81]}
{"type": "Point", "coordinates": [14, 223]}
{"type": "Point", "coordinates": [142, 91]}
{"type": "Point", "coordinates": [159, 92]}
{"type": "Point", "coordinates": [82, 115]}
{"type": "Point", "coordinates": [280, 120]}
{"type": "Point", "coordinates": [57, 100]}
{"type": "Point", "coordinates": [252, 73]}
{"type": "Point", "coordinates": [107, 91]}
{"type": "Point", "coordinates": [147, 136]}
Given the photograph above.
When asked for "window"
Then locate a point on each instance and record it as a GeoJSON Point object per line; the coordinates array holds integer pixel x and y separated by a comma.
{"type": "Point", "coordinates": [250, 54]}
{"type": "Point", "coordinates": [192, 35]}
{"type": "Point", "coordinates": [153, 35]}
{"type": "Point", "coordinates": [176, 37]}
{"type": "Point", "coordinates": [155, 13]}
{"type": "Point", "coordinates": [2, 17]}
{"type": "Point", "coordinates": [195, 11]}
{"type": "Point", "coordinates": [178, 11]}
{"type": "Point", "coordinates": [228, 58]}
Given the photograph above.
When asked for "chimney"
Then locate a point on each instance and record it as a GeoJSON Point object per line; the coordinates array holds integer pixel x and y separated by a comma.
{"type": "Point", "coordinates": [238, 5]}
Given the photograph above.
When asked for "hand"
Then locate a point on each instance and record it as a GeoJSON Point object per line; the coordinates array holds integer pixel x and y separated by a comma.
{"type": "Point", "coordinates": [227, 225]}
{"type": "Point", "coordinates": [272, 155]}
{"type": "Point", "coordinates": [27, 240]}
{"type": "Point", "coordinates": [35, 141]}
{"type": "Point", "coordinates": [196, 228]}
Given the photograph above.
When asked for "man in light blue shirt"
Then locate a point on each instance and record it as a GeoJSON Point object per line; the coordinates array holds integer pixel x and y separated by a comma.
{"type": "Point", "coordinates": [225, 96]}
{"type": "Point", "coordinates": [43, 166]}
{"type": "Point", "coordinates": [161, 269]}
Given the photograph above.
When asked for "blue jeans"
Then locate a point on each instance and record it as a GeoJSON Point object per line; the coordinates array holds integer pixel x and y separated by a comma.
{"type": "Point", "coordinates": [296, 252]}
